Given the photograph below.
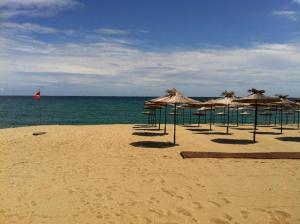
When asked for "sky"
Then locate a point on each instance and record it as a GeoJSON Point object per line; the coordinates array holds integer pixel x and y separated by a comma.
{"type": "Point", "coordinates": [142, 47]}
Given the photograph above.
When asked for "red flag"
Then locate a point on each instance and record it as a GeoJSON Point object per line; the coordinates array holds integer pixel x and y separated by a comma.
{"type": "Point", "coordinates": [37, 95]}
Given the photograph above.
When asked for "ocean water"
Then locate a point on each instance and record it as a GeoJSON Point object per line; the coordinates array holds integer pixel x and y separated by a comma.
{"type": "Point", "coordinates": [25, 111]}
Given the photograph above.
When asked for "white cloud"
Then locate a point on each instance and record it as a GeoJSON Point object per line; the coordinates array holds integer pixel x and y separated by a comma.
{"type": "Point", "coordinates": [12, 8]}
{"type": "Point", "coordinates": [90, 64]}
{"type": "Point", "coordinates": [109, 31]}
{"type": "Point", "coordinates": [291, 15]}
{"type": "Point", "coordinates": [27, 27]}
{"type": "Point", "coordinates": [296, 1]}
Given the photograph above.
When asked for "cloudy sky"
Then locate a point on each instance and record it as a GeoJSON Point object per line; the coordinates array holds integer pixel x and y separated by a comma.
{"type": "Point", "coordinates": [142, 47]}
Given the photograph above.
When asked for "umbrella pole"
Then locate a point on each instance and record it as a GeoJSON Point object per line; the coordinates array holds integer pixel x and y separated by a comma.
{"type": "Point", "coordinates": [276, 115]}
{"type": "Point", "coordinates": [224, 116]}
{"type": "Point", "coordinates": [199, 120]}
{"type": "Point", "coordinates": [237, 117]}
{"type": "Point", "coordinates": [281, 119]}
{"type": "Point", "coordinates": [255, 122]}
{"type": "Point", "coordinates": [190, 121]}
{"type": "Point", "coordinates": [227, 129]}
{"type": "Point", "coordinates": [214, 116]}
{"type": "Point", "coordinates": [154, 117]}
{"type": "Point", "coordinates": [182, 116]}
{"type": "Point", "coordinates": [159, 118]}
{"type": "Point", "coordinates": [165, 129]}
{"type": "Point", "coordinates": [210, 117]}
{"type": "Point", "coordinates": [298, 116]}
{"type": "Point", "coordinates": [175, 116]}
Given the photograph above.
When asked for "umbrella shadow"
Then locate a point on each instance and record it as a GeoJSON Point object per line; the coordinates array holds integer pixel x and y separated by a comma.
{"type": "Point", "coordinates": [284, 128]}
{"type": "Point", "coordinates": [147, 129]}
{"type": "Point", "coordinates": [232, 141]}
{"type": "Point", "coordinates": [197, 129]}
{"type": "Point", "coordinates": [289, 139]}
{"type": "Point", "coordinates": [267, 133]}
{"type": "Point", "coordinates": [246, 129]}
{"type": "Point", "coordinates": [148, 134]}
{"type": "Point", "coordinates": [213, 133]}
{"type": "Point", "coordinates": [152, 144]}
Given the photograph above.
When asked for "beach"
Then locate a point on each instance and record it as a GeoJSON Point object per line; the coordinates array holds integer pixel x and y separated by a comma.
{"type": "Point", "coordinates": [125, 174]}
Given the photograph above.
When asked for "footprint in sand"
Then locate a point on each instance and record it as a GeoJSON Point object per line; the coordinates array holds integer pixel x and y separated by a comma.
{"type": "Point", "coordinates": [228, 217]}
{"type": "Point", "coordinates": [200, 185]}
{"type": "Point", "coordinates": [226, 200]}
{"type": "Point", "coordinates": [244, 214]}
{"type": "Point", "coordinates": [170, 193]}
{"type": "Point", "coordinates": [183, 211]}
{"type": "Point", "coordinates": [279, 217]}
{"type": "Point", "coordinates": [215, 203]}
{"type": "Point", "coordinates": [153, 199]}
{"type": "Point", "coordinates": [198, 205]}
{"type": "Point", "coordinates": [159, 213]}
{"type": "Point", "coordinates": [283, 214]}
{"type": "Point", "coordinates": [219, 221]}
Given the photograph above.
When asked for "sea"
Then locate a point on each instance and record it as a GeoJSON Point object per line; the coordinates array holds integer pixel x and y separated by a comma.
{"type": "Point", "coordinates": [16, 111]}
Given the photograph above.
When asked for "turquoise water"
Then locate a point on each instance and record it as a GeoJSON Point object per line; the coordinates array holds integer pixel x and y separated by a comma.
{"type": "Point", "coordinates": [24, 111]}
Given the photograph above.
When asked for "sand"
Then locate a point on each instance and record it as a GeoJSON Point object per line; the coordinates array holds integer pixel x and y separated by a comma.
{"type": "Point", "coordinates": [121, 174]}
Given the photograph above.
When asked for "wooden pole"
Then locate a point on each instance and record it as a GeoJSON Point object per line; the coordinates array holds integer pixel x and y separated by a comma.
{"type": "Point", "coordinates": [255, 122]}
{"type": "Point", "coordinates": [210, 117]}
{"type": "Point", "coordinates": [227, 129]}
{"type": "Point", "coordinates": [281, 116]}
{"type": "Point", "coordinates": [175, 116]}
{"type": "Point", "coordinates": [165, 129]}
{"type": "Point", "coordinates": [159, 118]}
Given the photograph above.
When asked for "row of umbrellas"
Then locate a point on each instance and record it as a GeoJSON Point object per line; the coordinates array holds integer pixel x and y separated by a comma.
{"type": "Point", "coordinates": [256, 98]}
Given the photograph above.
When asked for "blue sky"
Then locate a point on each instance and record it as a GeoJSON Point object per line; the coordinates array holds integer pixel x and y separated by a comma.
{"type": "Point", "coordinates": [139, 47]}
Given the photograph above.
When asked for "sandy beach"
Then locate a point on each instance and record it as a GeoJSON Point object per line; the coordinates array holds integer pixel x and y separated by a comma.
{"type": "Point", "coordinates": [124, 174]}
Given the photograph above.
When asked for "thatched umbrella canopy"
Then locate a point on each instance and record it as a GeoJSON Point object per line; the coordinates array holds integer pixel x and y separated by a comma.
{"type": "Point", "coordinates": [285, 103]}
{"type": "Point", "coordinates": [243, 114]}
{"type": "Point", "coordinates": [154, 107]}
{"type": "Point", "coordinates": [208, 105]}
{"type": "Point", "coordinates": [158, 101]}
{"type": "Point", "coordinates": [256, 97]}
{"type": "Point", "coordinates": [298, 112]}
{"type": "Point", "coordinates": [175, 97]}
{"type": "Point", "coordinates": [228, 101]}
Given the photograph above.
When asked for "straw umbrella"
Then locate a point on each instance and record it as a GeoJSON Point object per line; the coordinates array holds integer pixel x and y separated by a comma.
{"type": "Point", "coordinates": [175, 97]}
{"type": "Point", "coordinates": [227, 100]}
{"type": "Point", "coordinates": [244, 113]}
{"type": "Point", "coordinates": [284, 102]}
{"type": "Point", "coordinates": [154, 107]}
{"type": "Point", "coordinates": [256, 97]}
{"type": "Point", "coordinates": [158, 101]}
{"type": "Point", "coordinates": [298, 112]}
{"type": "Point", "coordinates": [208, 105]}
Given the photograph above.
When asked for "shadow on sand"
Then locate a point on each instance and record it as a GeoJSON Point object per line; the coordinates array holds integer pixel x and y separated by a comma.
{"type": "Point", "coordinates": [232, 141]}
{"type": "Point", "coordinates": [285, 128]}
{"type": "Point", "coordinates": [152, 144]}
{"type": "Point", "coordinates": [213, 133]}
{"type": "Point", "coordinates": [197, 129]}
{"type": "Point", "coordinates": [240, 128]}
{"type": "Point", "coordinates": [148, 134]}
{"type": "Point", "coordinates": [267, 133]}
{"type": "Point", "coordinates": [289, 139]}
{"type": "Point", "coordinates": [146, 129]}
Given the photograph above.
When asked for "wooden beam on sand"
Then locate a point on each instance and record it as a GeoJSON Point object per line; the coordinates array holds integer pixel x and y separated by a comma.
{"type": "Point", "coordinates": [247, 155]}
